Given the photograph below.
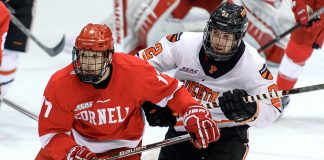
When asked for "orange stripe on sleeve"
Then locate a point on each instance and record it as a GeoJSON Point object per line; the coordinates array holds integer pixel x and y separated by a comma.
{"type": "Point", "coordinates": [5, 73]}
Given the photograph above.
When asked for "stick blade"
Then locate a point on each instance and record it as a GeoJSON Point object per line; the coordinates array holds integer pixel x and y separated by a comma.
{"type": "Point", "coordinates": [55, 50]}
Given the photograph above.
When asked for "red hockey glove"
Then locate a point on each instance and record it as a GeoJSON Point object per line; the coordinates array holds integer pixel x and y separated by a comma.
{"type": "Point", "coordinates": [202, 129]}
{"type": "Point", "coordinates": [300, 11]}
{"type": "Point", "coordinates": [80, 153]}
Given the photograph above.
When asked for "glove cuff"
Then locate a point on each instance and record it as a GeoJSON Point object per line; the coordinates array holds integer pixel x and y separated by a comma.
{"type": "Point", "coordinates": [196, 109]}
{"type": "Point", "coordinates": [254, 117]}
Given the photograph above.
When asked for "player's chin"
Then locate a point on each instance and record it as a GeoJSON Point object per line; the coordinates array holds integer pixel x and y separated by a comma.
{"type": "Point", "coordinates": [90, 73]}
{"type": "Point", "coordinates": [85, 73]}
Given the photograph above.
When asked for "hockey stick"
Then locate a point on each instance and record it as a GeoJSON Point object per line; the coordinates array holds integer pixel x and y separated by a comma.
{"type": "Point", "coordinates": [19, 108]}
{"type": "Point", "coordinates": [278, 38]}
{"type": "Point", "coordinates": [50, 51]}
{"type": "Point", "coordinates": [140, 149]}
{"type": "Point", "coordinates": [272, 95]}
{"type": "Point", "coordinates": [186, 137]}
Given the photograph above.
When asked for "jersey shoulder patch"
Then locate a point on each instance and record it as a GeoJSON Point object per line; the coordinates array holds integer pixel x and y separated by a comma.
{"type": "Point", "coordinates": [174, 37]}
{"type": "Point", "coordinates": [265, 73]}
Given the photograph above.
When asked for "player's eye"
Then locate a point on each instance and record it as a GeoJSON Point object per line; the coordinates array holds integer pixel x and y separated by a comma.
{"type": "Point", "coordinates": [94, 56]}
{"type": "Point", "coordinates": [82, 54]}
{"type": "Point", "coordinates": [216, 33]}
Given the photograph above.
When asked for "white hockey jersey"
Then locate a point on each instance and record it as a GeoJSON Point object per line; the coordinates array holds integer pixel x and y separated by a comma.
{"type": "Point", "coordinates": [183, 52]}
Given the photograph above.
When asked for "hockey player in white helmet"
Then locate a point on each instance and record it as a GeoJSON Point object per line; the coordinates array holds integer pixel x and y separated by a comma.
{"type": "Point", "coordinates": [215, 65]}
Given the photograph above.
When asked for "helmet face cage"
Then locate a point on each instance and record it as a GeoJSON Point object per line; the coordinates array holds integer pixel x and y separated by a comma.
{"type": "Point", "coordinates": [90, 66]}
{"type": "Point", "coordinates": [219, 45]}
{"type": "Point", "coordinates": [224, 32]}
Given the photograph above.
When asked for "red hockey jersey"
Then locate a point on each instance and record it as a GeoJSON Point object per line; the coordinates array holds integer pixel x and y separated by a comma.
{"type": "Point", "coordinates": [4, 25]}
{"type": "Point", "coordinates": [315, 34]}
{"type": "Point", "coordinates": [105, 119]}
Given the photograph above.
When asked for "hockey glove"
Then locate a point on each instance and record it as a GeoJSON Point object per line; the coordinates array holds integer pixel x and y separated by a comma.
{"type": "Point", "coordinates": [80, 153]}
{"type": "Point", "coordinates": [202, 129]}
{"type": "Point", "coordinates": [158, 116]}
{"type": "Point", "coordinates": [300, 11]}
{"type": "Point", "coordinates": [234, 107]}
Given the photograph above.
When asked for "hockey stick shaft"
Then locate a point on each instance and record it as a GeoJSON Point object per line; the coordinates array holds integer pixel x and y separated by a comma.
{"type": "Point", "coordinates": [272, 95]}
{"type": "Point", "coordinates": [183, 138]}
{"type": "Point", "coordinates": [19, 108]}
{"type": "Point", "coordinates": [50, 51]}
{"type": "Point", "coordinates": [140, 149]}
{"type": "Point", "coordinates": [279, 37]}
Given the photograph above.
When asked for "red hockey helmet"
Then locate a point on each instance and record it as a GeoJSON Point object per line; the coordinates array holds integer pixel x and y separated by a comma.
{"type": "Point", "coordinates": [92, 53]}
{"type": "Point", "coordinates": [95, 37]}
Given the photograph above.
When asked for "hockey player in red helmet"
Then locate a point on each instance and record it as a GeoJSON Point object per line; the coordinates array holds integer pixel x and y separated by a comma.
{"type": "Point", "coordinates": [4, 26]}
{"type": "Point", "coordinates": [92, 107]}
{"type": "Point", "coordinates": [92, 53]}
{"type": "Point", "coordinates": [303, 41]}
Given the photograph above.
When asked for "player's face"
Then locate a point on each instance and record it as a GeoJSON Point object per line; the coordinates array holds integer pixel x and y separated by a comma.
{"type": "Point", "coordinates": [221, 42]}
{"type": "Point", "coordinates": [91, 62]}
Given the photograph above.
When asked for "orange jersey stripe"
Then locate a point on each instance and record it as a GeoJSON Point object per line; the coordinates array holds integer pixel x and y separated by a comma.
{"type": "Point", "coordinates": [5, 73]}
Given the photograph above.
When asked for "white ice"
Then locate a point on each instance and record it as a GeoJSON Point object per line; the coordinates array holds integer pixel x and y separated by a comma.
{"type": "Point", "coordinates": [299, 135]}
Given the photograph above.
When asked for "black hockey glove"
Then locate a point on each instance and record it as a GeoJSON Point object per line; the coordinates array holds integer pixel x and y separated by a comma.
{"type": "Point", "coordinates": [234, 107]}
{"type": "Point", "coordinates": [158, 116]}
